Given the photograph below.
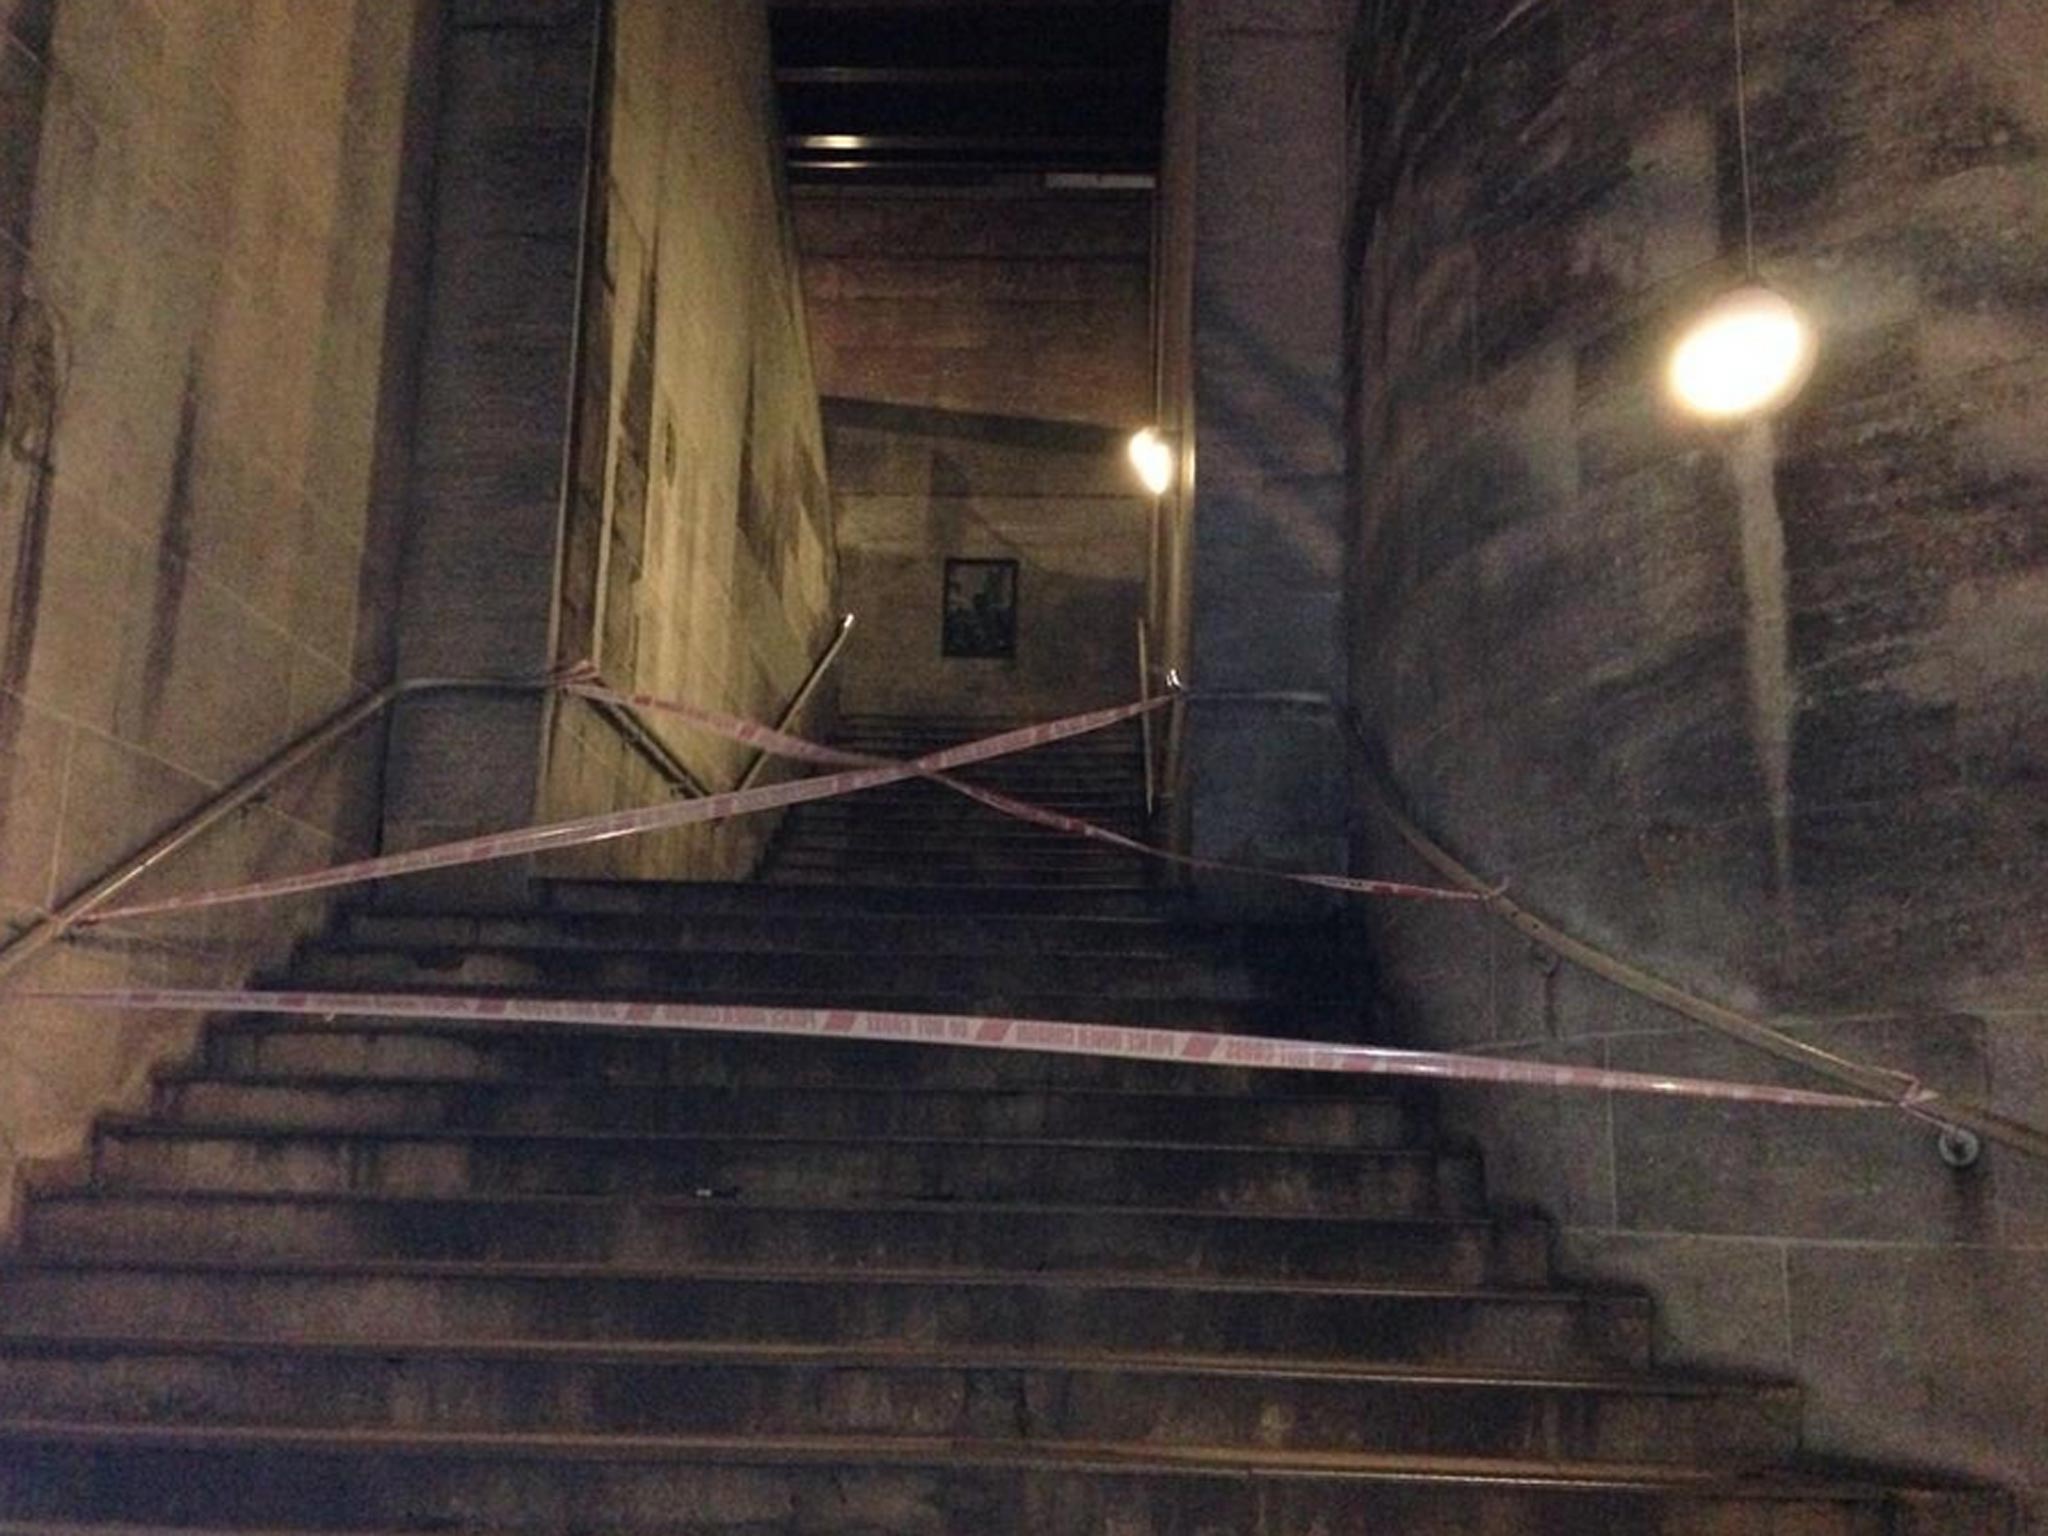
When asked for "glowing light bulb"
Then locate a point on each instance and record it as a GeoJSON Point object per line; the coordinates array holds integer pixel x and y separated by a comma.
{"type": "Point", "coordinates": [1751, 350]}
{"type": "Point", "coordinates": [1152, 456]}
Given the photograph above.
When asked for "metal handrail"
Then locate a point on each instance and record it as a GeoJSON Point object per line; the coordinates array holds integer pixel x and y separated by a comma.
{"type": "Point", "coordinates": [801, 697]}
{"type": "Point", "coordinates": [642, 739]}
{"type": "Point", "coordinates": [1145, 720]}
{"type": "Point", "coordinates": [251, 786]}
{"type": "Point", "coordinates": [1961, 1121]}
{"type": "Point", "coordinates": [309, 745]}
{"type": "Point", "coordinates": [1951, 1114]}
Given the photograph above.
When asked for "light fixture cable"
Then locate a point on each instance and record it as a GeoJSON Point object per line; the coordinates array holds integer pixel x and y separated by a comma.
{"type": "Point", "coordinates": [1742, 142]}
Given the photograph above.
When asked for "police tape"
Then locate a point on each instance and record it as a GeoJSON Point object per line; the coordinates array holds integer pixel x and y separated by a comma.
{"type": "Point", "coordinates": [970, 1031]}
{"type": "Point", "coordinates": [779, 744]}
{"type": "Point", "coordinates": [587, 830]}
{"type": "Point", "coordinates": [860, 771]}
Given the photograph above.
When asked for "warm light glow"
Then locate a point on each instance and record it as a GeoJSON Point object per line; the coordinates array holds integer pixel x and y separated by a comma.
{"type": "Point", "coordinates": [1751, 350]}
{"type": "Point", "coordinates": [1153, 458]}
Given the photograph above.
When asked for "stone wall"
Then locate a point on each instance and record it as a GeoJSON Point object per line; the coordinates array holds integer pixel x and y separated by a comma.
{"type": "Point", "coordinates": [1256, 181]}
{"type": "Point", "coordinates": [483, 522]}
{"type": "Point", "coordinates": [620, 459]}
{"type": "Point", "coordinates": [698, 560]}
{"type": "Point", "coordinates": [1761, 709]}
{"type": "Point", "coordinates": [985, 357]}
{"type": "Point", "coordinates": [205, 294]}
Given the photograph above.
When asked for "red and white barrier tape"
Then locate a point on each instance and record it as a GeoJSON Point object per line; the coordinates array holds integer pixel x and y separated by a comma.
{"type": "Point", "coordinates": [862, 772]}
{"type": "Point", "coordinates": [779, 744]}
{"type": "Point", "coordinates": [586, 830]}
{"type": "Point", "coordinates": [1123, 1042]}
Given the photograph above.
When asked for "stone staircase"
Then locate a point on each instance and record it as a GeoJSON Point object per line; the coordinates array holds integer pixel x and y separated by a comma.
{"type": "Point", "coordinates": [348, 1276]}
{"type": "Point", "coordinates": [920, 833]}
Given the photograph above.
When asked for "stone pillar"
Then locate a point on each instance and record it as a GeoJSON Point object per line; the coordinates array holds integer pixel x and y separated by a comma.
{"type": "Point", "coordinates": [1264, 783]}
{"type": "Point", "coordinates": [478, 584]}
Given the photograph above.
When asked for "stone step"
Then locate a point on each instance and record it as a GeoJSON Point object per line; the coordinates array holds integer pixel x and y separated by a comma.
{"type": "Point", "coordinates": [939, 840]}
{"type": "Point", "coordinates": [142, 1225]}
{"type": "Point", "coordinates": [915, 803]}
{"type": "Point", "coordinates": [279, 1479]}
{"type": "Point", "coordinates": [911, 875]}
{"type": "Point", "coordinates": [1121, 767]}
{"type": "Point", "coordinates": [272, 1046]}
{"type": "Point", "coordinates": [1330, 1019]}
{"type": "Point", "coordinates": [1039, 854]}
{"type": "Point", "coordinates": [1118, 761]}
{"type": "Point", "coordinates": [1026, 844]}
{"type": "Point", "coordinates": [1442, 1327]}
{"type": "Point", "coordinates": [1134, 937]}
{"type": "Point", "coordinates": [1112, 744]}
{"type": "Point", "coordinates": [957, 816]}
{"type": "Point", "coordinates": [147, 1154]}
{"type": "Point", "coordinates": [754, 899]}
{"type": "Point", "coordinates": [516, 1387]}
{"type": "Point", "coordinates": [871, 1109]}
{"type": "Point", "coordinates": [1025, 781]}
{"type": "Point", "coordinates": [1123, 737]}
{"type": "Point", "coordinates": [667, 972]}
{"type": "Point", "coordinates": [927, 866]}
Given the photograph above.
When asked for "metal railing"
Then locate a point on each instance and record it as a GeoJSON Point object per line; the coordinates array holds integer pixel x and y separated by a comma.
{"type": "Point", "coordinates": [802, 696]}
{"type": "Point", "coordinates": [1145, 720]}
{"type": "Point", "coordinates": [316, 742]}
{"type": "Point", "coordinates": [1959, 1120]}
{"type": "Point", "coordinates": [252, 786]}
{"type": "Point", "coordinates": [1962, 1122]}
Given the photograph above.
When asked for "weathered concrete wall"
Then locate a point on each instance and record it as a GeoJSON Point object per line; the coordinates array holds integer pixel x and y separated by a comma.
{"type": "Point", "coordinates": [204, 281]}
{"type": "Point", "coordinates": [685, 547]}
{"type": "Point", "coordinates": [1761, 709]}
{"type": "Point", "coordinates": [986, 357]}
{"type": "Point", "coordinates": [482, 530]}
{"type": "Point", "coordinates": [699, 559]}
{"type": "Point", "coordinates": [1266, 157]}
{"type": "Point", "coordinates": [1169, 611]}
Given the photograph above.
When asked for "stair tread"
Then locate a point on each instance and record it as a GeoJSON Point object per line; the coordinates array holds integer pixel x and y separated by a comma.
{"type": "Point", "coordinates": [144, 1126]}
{"type": "Point", "coordinates": [185, 1327]}
{"type": "Point", "coordinates": [768, 1274]}
{"type": "Point", "coordinates": [890, 1357]}
{"type": "Point", "coordinates": [876, 1206]}
{"type": "Point", "coordinates": [869, 1449]}
{"type": "Point", "coordinates": [1377, 1096]}
{"type": "Point", "coordinates": [834, 995]}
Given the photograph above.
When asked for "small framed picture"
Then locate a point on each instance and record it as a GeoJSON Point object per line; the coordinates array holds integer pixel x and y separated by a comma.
{"type": "Point", "coordinates": [979, 616]}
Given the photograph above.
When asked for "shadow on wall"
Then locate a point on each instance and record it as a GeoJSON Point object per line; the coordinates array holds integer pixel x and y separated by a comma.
{"type": "Point", "coordinates": [1762, 712]}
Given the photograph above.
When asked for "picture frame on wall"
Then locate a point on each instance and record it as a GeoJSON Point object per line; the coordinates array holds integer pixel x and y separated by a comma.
{"type": "Point", "coordinates": [978, 613]}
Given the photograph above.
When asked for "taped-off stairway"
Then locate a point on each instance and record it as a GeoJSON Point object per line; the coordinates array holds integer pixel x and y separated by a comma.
{"type": "Point", "coordinates": [352, 1275]}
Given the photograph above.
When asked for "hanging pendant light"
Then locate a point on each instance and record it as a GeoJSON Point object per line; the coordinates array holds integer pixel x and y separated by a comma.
{"type": "Point", "coordinates": [1752, 349]}
{"type": "Point", "coordinates": [1748, 351]}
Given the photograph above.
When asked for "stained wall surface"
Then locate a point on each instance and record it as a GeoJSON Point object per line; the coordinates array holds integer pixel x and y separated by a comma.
{"type": "Point", "coordinates": [985, 358]}
{"type": "Point", "coordinates": [204, 289]}
{"type": "Point", "coordinates": [1255, 181]}
{"type": "Point", "coordinates": [619, 455]}
{"type": "Point", "coordinates": [1762, 708]}
{"type": "Point", "coordinates": [698, 560]}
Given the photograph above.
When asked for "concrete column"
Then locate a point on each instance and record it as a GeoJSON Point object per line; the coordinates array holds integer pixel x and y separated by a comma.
{"type": "Point", "coordinates": [1265, 783]}
{"type": "Point", "coordinates": [478, 583]}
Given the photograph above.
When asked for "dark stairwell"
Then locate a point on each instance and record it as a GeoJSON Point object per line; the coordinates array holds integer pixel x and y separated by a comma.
{"type": "Point", "coordinates": [357, 1276]}
{"type": "Point", "coordinates": [352, 1275]}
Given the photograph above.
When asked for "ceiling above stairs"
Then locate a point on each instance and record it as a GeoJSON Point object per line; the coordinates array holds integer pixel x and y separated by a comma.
{"type": "Point", "coordinates": [966, 92]}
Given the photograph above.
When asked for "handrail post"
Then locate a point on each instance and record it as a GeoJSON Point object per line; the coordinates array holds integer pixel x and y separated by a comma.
{"type": "Point", "coordinates": [1145, 720]}
{"type": "Point", "coordinates": [801, 697]}
{"type": "Point", "coordinates": [309, 745]}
